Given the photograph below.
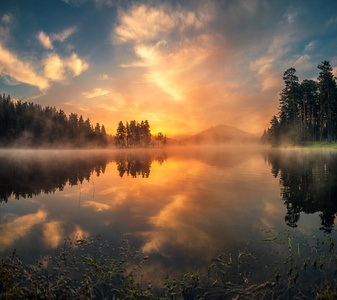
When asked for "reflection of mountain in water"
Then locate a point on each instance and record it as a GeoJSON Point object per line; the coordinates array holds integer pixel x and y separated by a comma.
{"type": "Point", "coordinates": [308, 184]}
{"type": "Point", "coordinates": [29, 174]}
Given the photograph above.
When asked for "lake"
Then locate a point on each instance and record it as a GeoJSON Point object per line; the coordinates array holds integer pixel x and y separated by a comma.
{"type": "Point", "coordinates": [182, 207]}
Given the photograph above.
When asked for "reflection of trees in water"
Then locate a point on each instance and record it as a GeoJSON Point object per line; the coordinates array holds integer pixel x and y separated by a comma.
{"type": "Point", "coordinates": [309, 185]}
{"type": "Point", "coordinates": [28, 177]}
{"type": "Point", "coordinates": [137, 165]}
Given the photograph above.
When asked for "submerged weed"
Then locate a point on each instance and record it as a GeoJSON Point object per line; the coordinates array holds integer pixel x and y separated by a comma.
{"type": "Point", "coordinates": [89, 268]}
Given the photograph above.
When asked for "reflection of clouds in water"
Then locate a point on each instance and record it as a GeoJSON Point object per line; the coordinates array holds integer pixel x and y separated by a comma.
{"type": "Point", "coordinates": [19, 227]}
{"type": "Point", "coordinates": [96, 205]}
{"type": "Point", "coordinates": [188, 206]}
{"type": "Point", "coordinates": [53, 233]}
{"type": "Point", "coordinates": [170, 226]}
{"type": "Point", "coordinates": [271, 213]}
{"type": "Point", "coordinates": [78, 233]}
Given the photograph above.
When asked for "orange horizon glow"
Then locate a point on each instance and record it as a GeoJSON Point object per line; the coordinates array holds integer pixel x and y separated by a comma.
{"type": "Point", "coordinates": [184, 68]}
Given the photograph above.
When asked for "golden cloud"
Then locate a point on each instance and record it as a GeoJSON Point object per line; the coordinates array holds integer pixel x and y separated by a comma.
{"type": "Point", "coordinates": [45, 40]}
{"type": "Point", "coordinates": [76, 65]}
{"type": "Point", "coordinates": [57, 69]}
{"type": "Point", "coordinates": [21, 71]}
{"type": "Point", "coordinates": [143, 23]}
{"type": "Point", "coordinates": [96, 92]}
{"type": "Point", "coordinates": [54, 67]}
{"type": "Point", "coordinates": [96, 205]}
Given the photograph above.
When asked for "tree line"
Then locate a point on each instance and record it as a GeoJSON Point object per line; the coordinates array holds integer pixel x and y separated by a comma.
{"type": "Point", "coordinates": [138, 134]}
{"type": "Point", "coordinates": [307, 110]}
{"type": "Point", "coordinates": [28, 124]}
{"type": "Point", "coordinates": [25, 124]}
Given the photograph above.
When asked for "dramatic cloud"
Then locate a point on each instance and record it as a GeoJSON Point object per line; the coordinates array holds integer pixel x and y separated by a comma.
{"type": "Point", "coordinates": [167, 60]}
{"type": "Point", "coordinates": [20, 71]}
{"type": "Point", "coordinates": [183, 65]}
{"type": "Point", "coordinates": [58, 69]}
{"type": "Point", "coordinates": [95, 93]}
{"type": "Point", "coordinates": [201, 74]}
{"type": "Point", "coordinates": [143, 23]}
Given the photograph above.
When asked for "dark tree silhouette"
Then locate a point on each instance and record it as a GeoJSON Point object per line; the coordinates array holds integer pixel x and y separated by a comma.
{"type": "Point", "coordinates": [133, 134]}
{"type": "Point", "coordinates": [28, 125]}
{"type": "Point", "coordinates": [308, 110]}
{"type": "Point", "coordinates": [308, 184]}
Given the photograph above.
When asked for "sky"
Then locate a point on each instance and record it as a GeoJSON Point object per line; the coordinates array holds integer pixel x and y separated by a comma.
{"type": "Point", "coordinates": [184, 65]}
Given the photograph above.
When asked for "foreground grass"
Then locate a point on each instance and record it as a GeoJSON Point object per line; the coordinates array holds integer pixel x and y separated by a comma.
{"type": "Point", "coordinates": [90, 269]}
{"type": "Point", "coordinates": [323, 145]}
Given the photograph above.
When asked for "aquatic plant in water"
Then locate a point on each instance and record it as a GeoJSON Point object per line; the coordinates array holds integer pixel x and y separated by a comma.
{"type": "Point", "coordinates": [91, 269]}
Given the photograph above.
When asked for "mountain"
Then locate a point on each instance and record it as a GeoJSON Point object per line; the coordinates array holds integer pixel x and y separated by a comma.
{"type": "Point", "coordinates": [221, 134]}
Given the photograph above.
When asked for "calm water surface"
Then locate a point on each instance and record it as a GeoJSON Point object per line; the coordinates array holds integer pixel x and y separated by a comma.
{"type": "Point", "coordinates": [181, 207]}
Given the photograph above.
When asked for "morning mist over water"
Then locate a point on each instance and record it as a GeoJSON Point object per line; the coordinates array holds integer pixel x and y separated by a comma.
{"type": "Point", "coordinates": [163, 149]}
{"type": "Point", "coordinates": [180, 206]}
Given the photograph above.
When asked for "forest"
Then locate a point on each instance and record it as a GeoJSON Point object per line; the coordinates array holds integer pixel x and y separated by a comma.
{"type": "Point", "coordinates": [25, 124]}
{"type": "Point", "coordinates": [138, 134]}
{"type": "Point", "coordinates": [307, 109]}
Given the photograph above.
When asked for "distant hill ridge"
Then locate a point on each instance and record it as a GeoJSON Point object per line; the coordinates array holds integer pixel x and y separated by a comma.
{"type": "Point", "coordinates": [221, 134]}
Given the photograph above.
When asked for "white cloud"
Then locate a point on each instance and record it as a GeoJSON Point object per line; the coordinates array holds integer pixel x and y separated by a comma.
{"type": "Point", "coordinates": [267, 65]}
{"type": "Point", "coordinates": [76, 65]}
{"type": "Point", "coordinates": [62, 36]}
{"type": "Point", "coordinates": [45, 40]}
{"type": "Point", "coordinates": [303, 62]}
{"type": "Point", "coordinates": [143, 23]}
{"type": "Point", "coordinates": [267, 77]}
{"type": "Point", "coordinates": [168, 69]}
{"type": "Point", "coordinates": [54, 67]}
{"type": "Point", "coordinates": [20, 71]}
{"type": "Point", "coordinates": [311, 46]}
{"type": "Point", "coordinates": [57, 69]}
{"type": "Point", "coordinates": [95, 93]}
{"type": "Point", "coordinates": [167, 60]}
